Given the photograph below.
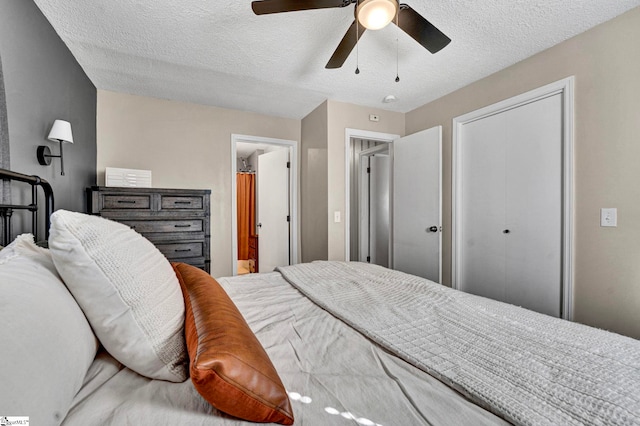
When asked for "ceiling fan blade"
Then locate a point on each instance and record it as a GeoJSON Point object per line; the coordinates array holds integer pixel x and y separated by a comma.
{"type": "Point", "coordinates": [276, 6]}
{"type": "Point", "coordinates": [422, 31]}
{"type": "Point", "coordinates": [346, 45]}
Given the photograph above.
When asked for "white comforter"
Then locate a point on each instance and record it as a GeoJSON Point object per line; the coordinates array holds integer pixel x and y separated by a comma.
{"type": "Point", "coordinates": [334, 375]}
{"type": "Point", "coordinates": [529, 368]}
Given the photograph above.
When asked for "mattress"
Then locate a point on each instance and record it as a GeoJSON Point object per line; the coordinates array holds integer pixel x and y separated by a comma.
{"type": "Point", "coordinates": [333, 374]}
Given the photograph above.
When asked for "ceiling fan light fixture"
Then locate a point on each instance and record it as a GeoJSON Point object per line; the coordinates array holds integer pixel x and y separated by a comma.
{"type": "Point", "coordinates": [376, 14]}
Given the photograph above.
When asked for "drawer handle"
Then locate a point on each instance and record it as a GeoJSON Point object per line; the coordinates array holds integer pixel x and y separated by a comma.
{"type": "Point", "coordinates": [182, 202]}
{"type": "Point", "coordinates": [126, 201]}
{"type": "Point", "coordinates": [183, 226]}
{"type": "Point", "coordinates": [181, 250]}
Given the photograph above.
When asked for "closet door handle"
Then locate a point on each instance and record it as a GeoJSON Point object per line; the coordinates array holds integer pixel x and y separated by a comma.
{"type": "Point", "coordinates": [432, 229]}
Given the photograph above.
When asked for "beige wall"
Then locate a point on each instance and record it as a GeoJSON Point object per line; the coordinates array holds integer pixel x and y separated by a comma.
{"type": "Point", "coordinates": [185, 146]}
{"type": "Point", "coordinates": [606, 65]}
{"type": "Point", "coordinates": [341, 116]}
{"type": "Point", "coordinates": [313, 185]}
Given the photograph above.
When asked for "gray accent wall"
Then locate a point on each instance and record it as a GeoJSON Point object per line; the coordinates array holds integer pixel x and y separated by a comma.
{"type": "Point", "coordinates": [44, 82]}
{"type": "Point", "coordinates": [5, 189]}
{"type": "Point", "coordinates": [5, 196]}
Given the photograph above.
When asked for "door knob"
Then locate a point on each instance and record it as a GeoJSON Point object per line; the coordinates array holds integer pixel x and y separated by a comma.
{"type": "Point", "coordinates": [259, 225]}
{"type": "Point", "coordinates": [506, 231]}
{"type": "Point", "coordinates": [432, 229]}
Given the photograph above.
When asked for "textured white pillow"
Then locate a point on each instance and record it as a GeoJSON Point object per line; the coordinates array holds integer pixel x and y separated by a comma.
{"type": "Point", "coordinates": [47, 343]}
{"type": "Point", "coordinates": [126, 288]}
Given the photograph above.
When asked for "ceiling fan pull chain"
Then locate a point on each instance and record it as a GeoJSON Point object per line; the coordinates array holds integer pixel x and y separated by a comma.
{"type": "Point", "coordinates": [357, 50]}
{"type": "Point", "coordinates": [397, 46]}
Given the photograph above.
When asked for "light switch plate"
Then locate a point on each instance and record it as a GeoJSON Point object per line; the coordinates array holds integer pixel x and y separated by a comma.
{"type": "Point", "coordinates": [336, 216]}
{"type": "Point", "coordinates": [609, 217]}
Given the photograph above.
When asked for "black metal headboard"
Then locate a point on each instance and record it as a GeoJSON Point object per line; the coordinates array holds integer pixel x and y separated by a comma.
{"type": "Point", "coordinates": [6, 210]}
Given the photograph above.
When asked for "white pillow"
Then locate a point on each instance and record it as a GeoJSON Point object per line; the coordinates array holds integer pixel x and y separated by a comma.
{"type": "Point", "coordinates": [47, 343]}
{"type": "Point", "coordinates": [126, 288]}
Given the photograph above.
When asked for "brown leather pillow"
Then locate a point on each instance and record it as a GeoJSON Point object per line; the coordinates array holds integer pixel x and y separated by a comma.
{"type": "Point", "coordinates": [228, 365]}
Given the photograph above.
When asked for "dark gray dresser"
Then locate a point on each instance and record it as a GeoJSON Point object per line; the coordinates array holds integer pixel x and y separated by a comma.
{"type": "Point", "coordinates": [176, 221]}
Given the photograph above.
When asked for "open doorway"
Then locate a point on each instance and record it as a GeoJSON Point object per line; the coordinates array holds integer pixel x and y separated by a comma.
{"type": "Point", "coordinates": [247, 208]}
{"type": "Point", "coordinates": [373, 233]}
{"type": "Point", "coordinates": [264, 213]}
{"type": "Point", "coordinates": [368, 189]}
{"type": "Point", "coordinates": [402, 224]}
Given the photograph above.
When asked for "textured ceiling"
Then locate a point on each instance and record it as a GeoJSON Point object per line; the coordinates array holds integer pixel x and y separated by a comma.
{"type": "Point", "coordinates": [219, 53]}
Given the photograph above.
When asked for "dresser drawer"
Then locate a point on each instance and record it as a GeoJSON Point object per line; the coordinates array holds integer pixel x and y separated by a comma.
{"type": "Point", "coordinates": [152, 226]}
{"type": "Point", "coordinates": [127, 201]}
{"type": "Point", "coordinates": [181, 202]}
{"type": "Point", "coordinates": [181, 250]}
{"type": "Point", "coordinates": [198, 262]}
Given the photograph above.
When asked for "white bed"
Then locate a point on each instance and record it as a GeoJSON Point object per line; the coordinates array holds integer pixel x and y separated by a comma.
{"type": "Point", "coordinates": [332, 373]}
{"type": "Point", "coordinates": [336, 375]}
{"type": "Point", "coordinates": [351, 343]}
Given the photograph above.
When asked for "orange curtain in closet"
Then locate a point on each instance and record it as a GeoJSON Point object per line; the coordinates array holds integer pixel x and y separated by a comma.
{"type": "Point", "coordinates": [246, 190]}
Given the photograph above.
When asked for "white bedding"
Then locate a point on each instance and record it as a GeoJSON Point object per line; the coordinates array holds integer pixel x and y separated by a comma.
{"type": "Point", "coordinates": [530, 368]}
{"type": "Point", "coordinates": [333, 374]}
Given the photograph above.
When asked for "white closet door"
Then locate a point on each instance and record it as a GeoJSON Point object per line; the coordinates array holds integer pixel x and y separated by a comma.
{"type": "Point", "coordinates": [417, 203]}
{"type": "Point", "coordinates": [483, 208]}
{"type": "Point", "coordinates": [534, 205]}
{"type": "Point", "coordinates": [512, 206]}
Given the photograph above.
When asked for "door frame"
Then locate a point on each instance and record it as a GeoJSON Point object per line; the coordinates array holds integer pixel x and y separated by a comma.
{"type": "Point", "coordinates": [565, 87]}
{"type": "Point", "coordinates": [360, 134]}
{"type": "Point", "coordinates": [293, 192]}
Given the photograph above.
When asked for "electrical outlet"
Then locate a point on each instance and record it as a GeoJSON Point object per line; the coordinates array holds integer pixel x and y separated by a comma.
{"type": "Point", "coordinates": [609, 217]}
{"type": "Point", "coordinates": [374, 117]}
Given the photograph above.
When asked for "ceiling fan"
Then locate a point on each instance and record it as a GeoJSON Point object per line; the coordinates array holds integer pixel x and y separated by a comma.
{"type": "Point", "coordinates": [370, 14]}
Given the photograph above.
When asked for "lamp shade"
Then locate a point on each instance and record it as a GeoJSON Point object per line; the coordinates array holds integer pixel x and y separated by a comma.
{"type": "Point", "coordinates": [61, 132]}
{"type": "Point", "coordinates": [376, 14]}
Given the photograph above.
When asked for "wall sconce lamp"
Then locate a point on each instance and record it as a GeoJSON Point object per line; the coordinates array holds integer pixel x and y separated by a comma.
{"type": "Point", "coordinates": [60, 132]}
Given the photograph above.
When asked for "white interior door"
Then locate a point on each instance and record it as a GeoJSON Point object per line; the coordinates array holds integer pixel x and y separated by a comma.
{"type": "Point", "coordinates": [511, 206]}
{"type": "Point", "coordinates": [374, 207]}
{"type": "Point", "coordinates": [379, 202]}
{"type": "Point", "coordinates": [534, 206]}
{"type": "Point", "coordinates": [273, 208]}
{"type": "Point", "coordinates": [417, 203]}
{"type": "Point", "coordinates": [483, 210]}
{"type": "Point", "coordinates": [363, 208]}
